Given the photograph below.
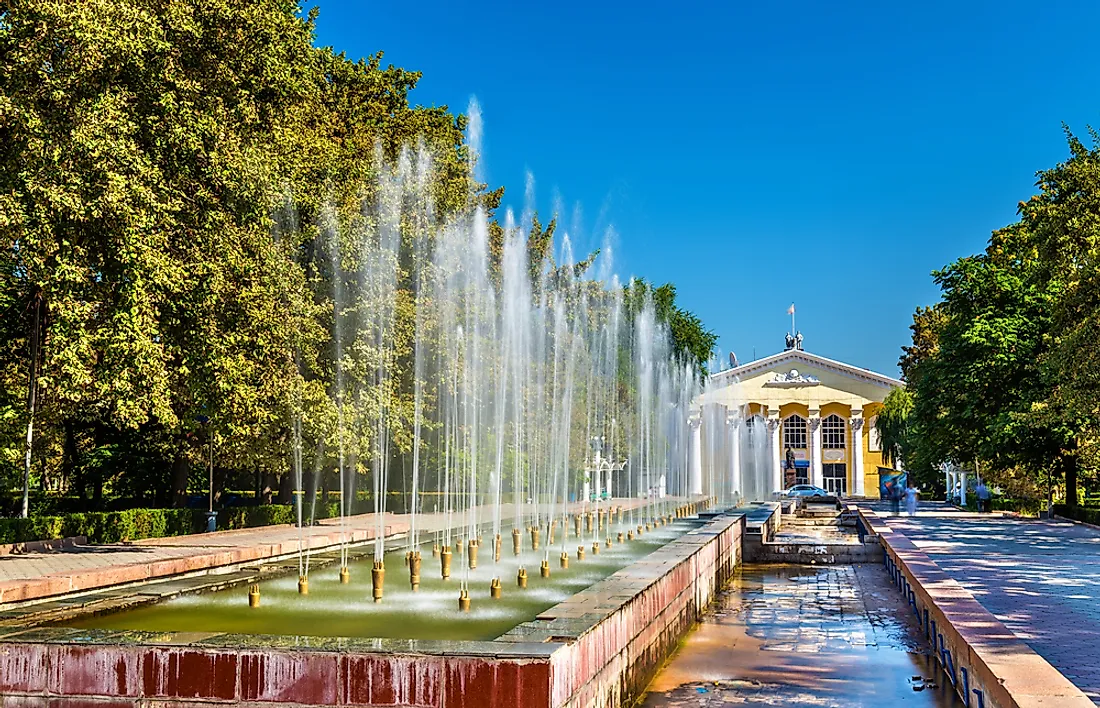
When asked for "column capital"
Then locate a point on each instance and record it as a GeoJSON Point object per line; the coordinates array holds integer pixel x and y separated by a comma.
{"type": "Point", "coordinates": [773, 424]}
{"type": "Point", "coordinates": [857, 423]}
{"type": "Point", "coordinates": [695, 420]}
{"type": "Point", "coordinates": [733, 420]}
{"type": "Point", "coordinates": [815, 422]}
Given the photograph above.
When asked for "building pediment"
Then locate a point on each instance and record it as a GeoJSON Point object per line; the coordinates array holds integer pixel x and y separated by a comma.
{"type": "Point", "coordinates": [792, 379]}
{"type": "Point", "coordinates": [795, 368]}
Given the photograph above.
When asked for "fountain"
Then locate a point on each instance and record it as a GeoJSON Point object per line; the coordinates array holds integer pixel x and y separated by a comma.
{"type": "Point", "coordinates": [479, 392]}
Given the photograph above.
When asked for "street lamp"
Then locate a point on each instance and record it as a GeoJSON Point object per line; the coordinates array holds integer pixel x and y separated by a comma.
{"type": "Point", "coordinates": [211, 515]}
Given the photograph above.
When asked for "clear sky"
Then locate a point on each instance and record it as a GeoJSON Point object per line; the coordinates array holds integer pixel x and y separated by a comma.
{"type": "Point", "coordinates": [831, 154]}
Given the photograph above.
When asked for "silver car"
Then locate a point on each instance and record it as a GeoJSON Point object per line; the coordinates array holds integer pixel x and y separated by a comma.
{"type": "Point", "coordinates": [806, 490]}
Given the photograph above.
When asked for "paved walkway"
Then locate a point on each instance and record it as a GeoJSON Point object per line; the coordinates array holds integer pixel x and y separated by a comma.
{"type": "Point", "coordinates": [827, 637]}
{"type": "Point", "coordinates": [1040, 578]}
{"type": "Point", "coordinates": [43, 574]}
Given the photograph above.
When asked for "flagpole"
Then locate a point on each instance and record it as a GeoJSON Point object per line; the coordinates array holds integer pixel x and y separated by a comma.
{"type": "Point", "coordinates": [792, 319]}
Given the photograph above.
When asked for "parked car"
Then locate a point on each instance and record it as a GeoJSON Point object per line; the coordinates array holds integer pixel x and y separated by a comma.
{"type": "Point", "coordinates": [806, 490]}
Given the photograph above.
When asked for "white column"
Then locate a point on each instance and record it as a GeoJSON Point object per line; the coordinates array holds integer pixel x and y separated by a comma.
{"type": "Point", "coordinates": [816, 477]}
{"type": "Point", "coordinates": [777, 467]}
{"type": "Point", "coordinates": [962, 487]}
{"type": "Point", "coordinates": [595, 474]}
{"type": "Point", "coordinates": [734, 426]}
{"type": "Point", "coordinates": [607, 486]}
{"type": "Point", "coordinates": [856, 444]}
{"type": "Point", "coordinates": [947, 481]}
{"type": "Point", "coordinates": [695, 485]}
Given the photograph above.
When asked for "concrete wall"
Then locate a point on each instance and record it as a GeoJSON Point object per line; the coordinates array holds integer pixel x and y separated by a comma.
{"type": "Point", "coordinates": [646, 610]}
{"type": "Point", "coordinates": [988, 664]}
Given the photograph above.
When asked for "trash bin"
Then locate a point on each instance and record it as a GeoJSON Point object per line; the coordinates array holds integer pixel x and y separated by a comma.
{"type": "Point", "coordinates": [211, 521]}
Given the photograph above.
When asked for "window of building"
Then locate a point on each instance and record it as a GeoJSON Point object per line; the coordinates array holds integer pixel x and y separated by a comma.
{"type": "Point", "coordinates": [874, 443]}
{"type": "Point", "coordinates": [835, 478]}
{"type": "Point", "coordinates": [754, 432]}
{"type": "Point", "coordinates": [794, 433]}
{"type": "Point", "coordinates": [832, 432]}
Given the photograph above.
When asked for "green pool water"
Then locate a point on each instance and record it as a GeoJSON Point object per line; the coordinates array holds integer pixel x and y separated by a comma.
{"type": "Point", "coordinates": [332, 609]}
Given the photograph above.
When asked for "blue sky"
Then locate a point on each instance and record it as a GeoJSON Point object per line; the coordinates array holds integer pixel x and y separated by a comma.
{"type": "Point", "coordinates": [755, 154]}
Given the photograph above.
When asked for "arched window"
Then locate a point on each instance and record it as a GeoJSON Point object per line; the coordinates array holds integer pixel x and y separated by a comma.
{"type": "Point", "coordinates": [794, 432]}
{"type": "Point", "coordinates": [832, 432]}
{"type": "Point", "coordinates": [754, 432]}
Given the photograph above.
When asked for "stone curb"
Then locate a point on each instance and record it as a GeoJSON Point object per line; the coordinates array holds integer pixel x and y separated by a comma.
{"type": "Point", "coordinates": [987, 663]}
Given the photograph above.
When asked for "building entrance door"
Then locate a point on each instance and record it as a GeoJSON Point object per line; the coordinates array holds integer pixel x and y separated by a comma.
{"type": "Point", "coordinates": [836, 478]}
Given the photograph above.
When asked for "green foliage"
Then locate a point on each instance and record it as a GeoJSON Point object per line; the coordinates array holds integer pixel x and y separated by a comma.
{"type": "Point", "coordinates": [1002, 371]}
{"type": "Point", "coordinates": [1078, 513]}
{"type": "Point", "coordinates": [100, 527]}
{"type": "Point", "coordinates": [692, 341]}
{"type": "Point", "coordinates": [167, 172]}
{"type": "Point", "coordinates": [891, 424]}
{"type": "Point", "coordinates": [252, 516]}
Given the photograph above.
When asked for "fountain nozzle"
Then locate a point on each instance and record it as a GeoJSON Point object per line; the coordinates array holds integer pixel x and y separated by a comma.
{"type": "Point", "coordinates": [564, 559]}
{"type": "Point", "coordinates": [517, 541]}
{"type": "Point", "coordinates": [521, 578]}
{"type": "Point", "coordinates": [414, 570]}
{"type": "Point", "coordinates": [303, 585]}
{"type": "Point", "coordinates": [535, 537]}
{"type": "Point", "coordinates": [463, 601]}
{"type": "Point", "coordinates": [445, 562]}
{"type": "Point", "coordinates": [345, 575]}
{"type": "Point", "coordinates": [544, 569]}
{"type": "Point", "coordinates": [495, 589]}
{"type": "Point", "coordinates": [253, 595]}
{"type": "Point", "coordinates": [595, 548]}
{"type": "Point", "coordinates": [377, 578]}
{"type": "Point", "coordinates": [580, 553]}
{"type": "Point", "coordinates": [472, 553]}
{"type": "Point", "coordinates": [496, 549]}
{"type": "Point", "coordinates": [620, 537]}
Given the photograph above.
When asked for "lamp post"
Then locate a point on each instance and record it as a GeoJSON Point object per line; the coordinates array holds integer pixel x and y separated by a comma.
{"type": "Point", "coordinates": [211, 515]}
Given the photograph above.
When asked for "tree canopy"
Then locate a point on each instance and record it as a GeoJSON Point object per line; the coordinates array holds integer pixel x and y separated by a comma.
{"type": "Point", "coordinates": [1001, 371]}
{"type": "Point", "coordinates": [167, 171]}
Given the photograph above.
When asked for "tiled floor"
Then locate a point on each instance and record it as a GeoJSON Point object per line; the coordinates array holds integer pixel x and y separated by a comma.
{"type": "Point", "coordinates": [1040, 578]}
{"type": "Point", "coordinates": [79, 559]}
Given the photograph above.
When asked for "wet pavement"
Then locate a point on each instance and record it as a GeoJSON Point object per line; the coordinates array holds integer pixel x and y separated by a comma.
{"type": "Point", "coordinates": [818, 636]}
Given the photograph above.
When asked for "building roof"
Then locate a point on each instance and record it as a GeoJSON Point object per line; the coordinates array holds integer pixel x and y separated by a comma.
{"type": "Point", "coordinates": [723, 378]}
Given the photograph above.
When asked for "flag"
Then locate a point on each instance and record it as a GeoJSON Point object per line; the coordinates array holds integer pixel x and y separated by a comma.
{"type": "Point", "coordinates": [790, 310]}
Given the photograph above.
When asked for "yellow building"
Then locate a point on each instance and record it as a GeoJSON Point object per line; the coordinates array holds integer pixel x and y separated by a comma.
{"type": "Point", "coordinates": [801, 408]}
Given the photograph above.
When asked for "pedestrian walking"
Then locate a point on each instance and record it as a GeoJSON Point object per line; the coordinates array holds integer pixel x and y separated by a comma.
{"type": "Point", "coordinates": [893, 493]}
{"type": "Point", "coordinates": [985, 497]}
{"type": "Point", "coordinates": [911, 500]}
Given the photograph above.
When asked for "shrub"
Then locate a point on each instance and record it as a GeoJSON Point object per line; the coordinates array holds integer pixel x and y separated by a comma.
{"type": "Point", "coordinates": [136, 524]}
{"type": "Point", "coordinates": [246, 517]}
{"type": "Point", "coordinates": [1078, 513]}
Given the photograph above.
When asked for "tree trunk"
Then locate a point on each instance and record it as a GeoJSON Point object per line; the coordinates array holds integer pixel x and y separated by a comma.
{"type": "Point", "coordinates": [266, 492]}
{"type": "Point", "coordinates": [181, 471]}
{"type": "Point", "coordinates": [1069, 462]}
{"type": "Point", "coordinates": [69, 459]}
{"type": "Point", "coordinates": [286, 488]}
{"type": "Point", "coordinates": [32, 399]}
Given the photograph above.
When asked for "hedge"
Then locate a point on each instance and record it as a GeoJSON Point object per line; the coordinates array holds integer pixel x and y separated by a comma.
{"type": "Point", "coordinates": [1090, 515]}
{"type": "Point", "coordinates": [100, 526]}
{"type": "Point", "coordinates": [135, 524]}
